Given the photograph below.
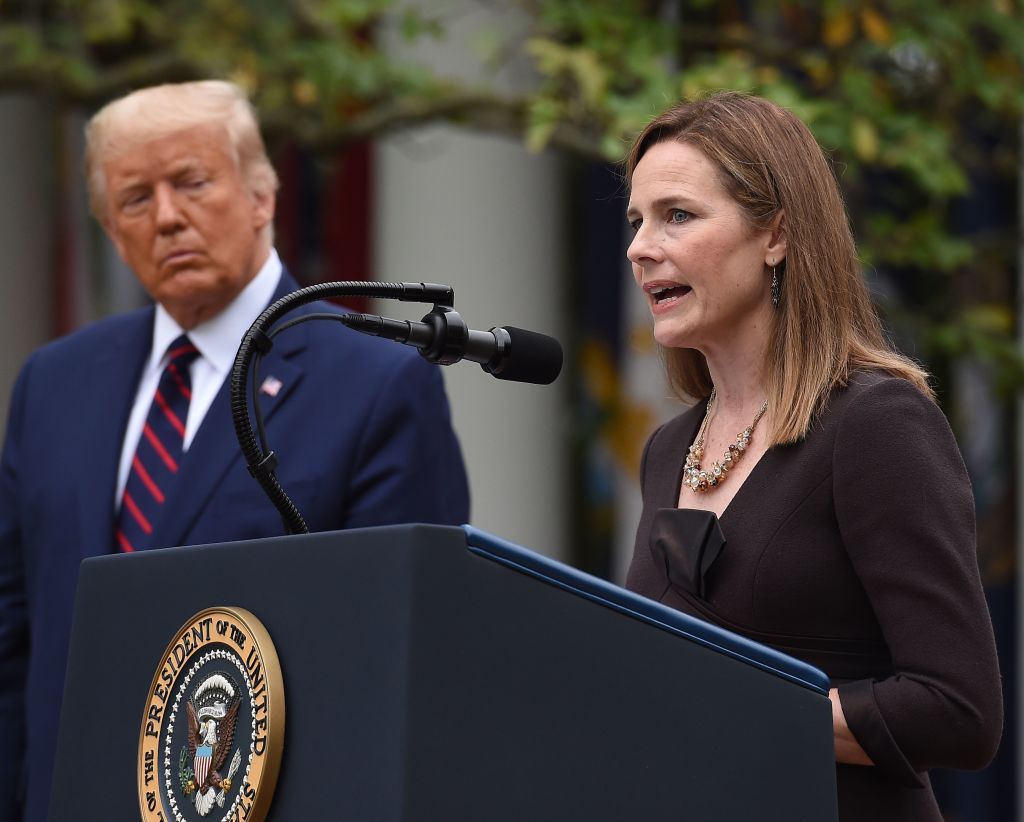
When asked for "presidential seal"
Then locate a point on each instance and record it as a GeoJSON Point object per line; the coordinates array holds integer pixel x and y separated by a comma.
{"type": "Point", "coordinates": [213, 728]}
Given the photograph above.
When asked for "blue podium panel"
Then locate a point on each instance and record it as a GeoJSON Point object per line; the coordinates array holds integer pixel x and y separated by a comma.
{"type": "Point", "coordinates": [634, 605]}
{"type": "Point", "coordinates": [433, 673]}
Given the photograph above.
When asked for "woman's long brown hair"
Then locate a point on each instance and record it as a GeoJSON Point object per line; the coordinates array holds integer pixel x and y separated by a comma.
{"type": "Point", "coordinates": [825, 326]}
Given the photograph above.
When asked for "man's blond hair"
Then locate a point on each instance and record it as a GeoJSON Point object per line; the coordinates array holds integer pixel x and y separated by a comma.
{"type": "Point", "coordinates": [159, 111]}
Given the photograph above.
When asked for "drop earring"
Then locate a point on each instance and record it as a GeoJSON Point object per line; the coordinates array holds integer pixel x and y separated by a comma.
{"type": "Point", "coordinates": [776, 287]}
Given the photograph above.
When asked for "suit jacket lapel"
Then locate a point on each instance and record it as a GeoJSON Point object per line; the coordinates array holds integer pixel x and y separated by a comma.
{"type": "Point", "coordinates": [112, 379]}
{"type": "Point", "coordinates": [215, 448]}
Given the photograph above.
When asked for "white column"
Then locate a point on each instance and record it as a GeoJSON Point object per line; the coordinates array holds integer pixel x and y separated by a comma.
{"type": "Point", "coordinates": [480, 213]}
{"type": "Point", "coordinates": [27, 233]}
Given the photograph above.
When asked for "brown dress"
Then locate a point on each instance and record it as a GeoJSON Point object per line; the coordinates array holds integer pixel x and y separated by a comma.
{"type": "Point", "coordinates": [853, 550]}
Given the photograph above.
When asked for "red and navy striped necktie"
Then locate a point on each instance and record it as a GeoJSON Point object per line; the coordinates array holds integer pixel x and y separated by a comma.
{"type": "Point", "coordinates": [154, 467]}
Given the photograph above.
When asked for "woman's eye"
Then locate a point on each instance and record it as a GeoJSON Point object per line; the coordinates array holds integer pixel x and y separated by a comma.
{"type": "Point", "coordinates": [677, 215]}
{"type": "Point", "coordinates": [635, 224]}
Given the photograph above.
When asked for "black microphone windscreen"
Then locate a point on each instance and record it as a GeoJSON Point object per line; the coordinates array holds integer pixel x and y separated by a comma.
{"type": "Point", "coordinates": [533, 357]}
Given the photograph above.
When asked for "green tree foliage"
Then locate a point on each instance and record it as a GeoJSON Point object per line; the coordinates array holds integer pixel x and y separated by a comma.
{"type": "Point", "coordinates": [918, 101]}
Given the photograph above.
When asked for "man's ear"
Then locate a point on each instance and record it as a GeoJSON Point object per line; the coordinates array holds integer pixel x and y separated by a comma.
{"type": "Point", "coordinates": [264, 202]}
{"type": "Point", "coordinates": [776, 248]}
{"type": "Point", "coordinates": [114, 236]}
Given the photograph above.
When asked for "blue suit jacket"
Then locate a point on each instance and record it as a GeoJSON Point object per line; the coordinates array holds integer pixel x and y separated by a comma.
{"type": "Point", "coordinates": [361, 429]}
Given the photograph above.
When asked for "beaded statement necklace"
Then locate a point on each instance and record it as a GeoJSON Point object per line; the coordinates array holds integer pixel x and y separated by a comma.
{"type": "Point", "coordinates": [699, 479]}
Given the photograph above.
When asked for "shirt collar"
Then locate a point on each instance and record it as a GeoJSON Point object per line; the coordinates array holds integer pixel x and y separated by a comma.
{"type": "Point", "coordinates": [219, 337]}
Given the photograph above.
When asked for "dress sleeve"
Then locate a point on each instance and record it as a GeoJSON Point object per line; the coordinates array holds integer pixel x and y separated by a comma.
{"type": "Point", "coordinates": [13, 618]}
{"type": "Point", "coordinates": [906, 514]}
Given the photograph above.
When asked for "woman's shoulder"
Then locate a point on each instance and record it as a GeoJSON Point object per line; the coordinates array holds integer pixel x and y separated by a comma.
{"type": "Point", "coordinates": [876, 396]}
{"type": "Point", "coordinates": [669, 440]}
{"type": "Point", "coordinates": [682, 427]}
{"type": "Point", "coordinates": [877, 410]}
{"type": "Point", "coordinates": [877, 383]}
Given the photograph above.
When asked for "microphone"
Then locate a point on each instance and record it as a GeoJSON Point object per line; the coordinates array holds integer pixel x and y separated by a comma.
{"type": "Point", "coordinates": [506, 353]}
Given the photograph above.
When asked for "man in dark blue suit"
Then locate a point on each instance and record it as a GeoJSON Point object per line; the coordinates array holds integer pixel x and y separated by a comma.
{"type": "Point", "coordinates": [179, 178]}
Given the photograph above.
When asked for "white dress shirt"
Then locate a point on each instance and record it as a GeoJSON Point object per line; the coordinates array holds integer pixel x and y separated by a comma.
{"type": "Point", "coordinates": [217, 340]}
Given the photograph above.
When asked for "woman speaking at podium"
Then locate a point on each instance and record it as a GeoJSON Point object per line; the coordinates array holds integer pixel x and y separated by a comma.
{"type": "Point", "coordinates": [813, 498]}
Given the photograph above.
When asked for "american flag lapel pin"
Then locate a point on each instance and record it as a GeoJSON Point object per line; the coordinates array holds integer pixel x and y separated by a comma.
{"type": "Point", "coordinates": [271, 386]}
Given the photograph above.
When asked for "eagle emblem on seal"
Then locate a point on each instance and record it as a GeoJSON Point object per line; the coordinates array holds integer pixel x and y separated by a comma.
{"type": "Point", "coordinates": [211, 712]}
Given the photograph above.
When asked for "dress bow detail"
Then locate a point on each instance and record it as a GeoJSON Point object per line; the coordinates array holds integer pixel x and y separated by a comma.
{"type": "Point", "coordinates": [685, 542]}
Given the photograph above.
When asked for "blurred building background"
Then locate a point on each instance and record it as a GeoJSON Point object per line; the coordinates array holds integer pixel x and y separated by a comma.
{"type": "Point", "coordinates": [475, 143]}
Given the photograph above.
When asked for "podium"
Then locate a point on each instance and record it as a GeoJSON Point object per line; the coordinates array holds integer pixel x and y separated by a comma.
{"type": "Point", "coordinates": [440, 673]}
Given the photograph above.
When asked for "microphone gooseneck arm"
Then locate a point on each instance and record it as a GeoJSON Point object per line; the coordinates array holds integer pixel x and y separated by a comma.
{"type": "Point", "coordinates": [256, 342]}
{"type": "Point", "coordinates": [442, 337]}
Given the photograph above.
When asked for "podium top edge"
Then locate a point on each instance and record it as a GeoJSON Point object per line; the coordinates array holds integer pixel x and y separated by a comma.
{"type": "Point", "coordinates": [647, 610]}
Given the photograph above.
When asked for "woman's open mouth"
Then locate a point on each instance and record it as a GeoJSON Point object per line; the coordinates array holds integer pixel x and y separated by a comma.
{"type": "Point", "coordinates": [665, 295]}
